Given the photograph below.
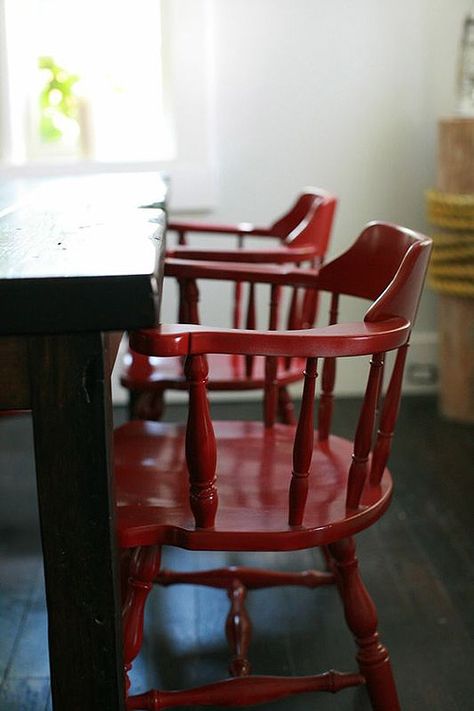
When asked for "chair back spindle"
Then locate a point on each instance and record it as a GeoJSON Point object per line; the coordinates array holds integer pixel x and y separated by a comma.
{"type": "Point", "coordinates": [388, 418]}
{"type": "Point", "coordinates": [294, 317]}
{"type": "Point", "coordinates": [192, 300]}
{"type": "Point", "coordinates": [188, 309]}
{"type": "Point", "coordinates": [364, 433]}
{"type": "Point", "coordinates": [250, 324]}
{"type": "Point", "coordinates": [328, 380]}
{"type": "Point", "coordinates": [334, 309]}
{"type": "Point", "coordinates": [274, 317]}
{"type": "Point", "coordinates": [326, 402]}
{"type": "Point", "coordinates": [270, 392]}
{"type": "Point", "coordinates": [201, 455]}
{"type": "Point", "coordinates": [294, 313]}
{"type": "Point", "coordinates": [237, 305]}
{"type": "Point", "coordinates": [182, 241]}
{"type": "Point", "coordinates": [303, 447]}
{"type": "Point", "coordinates": [381, 385]}
{"type": "Point", "coordinates": [182, 305]}
{"type": "Point", "coordinates": [310, 305]}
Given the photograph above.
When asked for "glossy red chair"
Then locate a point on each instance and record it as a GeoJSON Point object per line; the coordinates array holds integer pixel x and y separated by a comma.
{"type": "Point", "coordinates": [304, 234]}
{"type": "Point", "coordinates": [276, 487]}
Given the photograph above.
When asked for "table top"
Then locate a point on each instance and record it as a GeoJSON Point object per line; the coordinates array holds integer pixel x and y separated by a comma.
{"type": "Point", "coordinates": [81, 253]}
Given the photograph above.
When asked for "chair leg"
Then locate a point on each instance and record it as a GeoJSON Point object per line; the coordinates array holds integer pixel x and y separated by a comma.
{"type": "Point", "coordinates": [125, 560]}
{"type": "Point", "coordinates": [131, 404]}
{"type": "Point", "coordinates": [238, 630]}
{"type": "Point", "coordinates": [143, 569]}
{"type": "Point", "coordinates": [329, 564]}
{"type": "Point", "coordinates": [361, 616]}
{"type": "Point", "coordinates": [149, 406]}
{"type": "Point", "coordinates": [286, 409]}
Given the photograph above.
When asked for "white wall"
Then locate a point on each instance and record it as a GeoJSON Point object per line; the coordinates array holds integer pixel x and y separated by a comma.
{"type": "Point", "coordinates": [343, 94]}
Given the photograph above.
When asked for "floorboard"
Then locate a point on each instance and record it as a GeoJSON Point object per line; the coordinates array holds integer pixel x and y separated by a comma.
{"type": "Point", "coordinates": [417, 562]}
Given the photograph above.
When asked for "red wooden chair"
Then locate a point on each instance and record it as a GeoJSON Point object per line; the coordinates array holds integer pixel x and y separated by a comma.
{"type": "Point", "coordinates": [276, 487]}
{"type": "Point", "coordinates": [304, 234]}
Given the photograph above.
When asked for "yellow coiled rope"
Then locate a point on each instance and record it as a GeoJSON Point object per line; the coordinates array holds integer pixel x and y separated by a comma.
{"type": "Point", "coordinates": [456, 212]}
{"type": "Point", "coordinates": [452, 263]}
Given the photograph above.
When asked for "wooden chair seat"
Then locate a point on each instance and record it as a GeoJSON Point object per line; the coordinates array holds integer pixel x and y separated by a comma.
{"type": "Point", "coordinates": [142, 373]}
{"type": "Point", "coordinates": [253, 472]}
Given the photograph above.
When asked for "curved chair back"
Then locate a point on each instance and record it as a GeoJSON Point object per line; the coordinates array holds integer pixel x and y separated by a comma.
{"type": "Point", "coordinates": [315, 209]}
{"type": "Point", "coordinates": [370, 264]}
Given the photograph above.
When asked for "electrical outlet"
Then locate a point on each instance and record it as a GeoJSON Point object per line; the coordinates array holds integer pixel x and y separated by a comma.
{"type": "Point", "coordinates": [422, 374]}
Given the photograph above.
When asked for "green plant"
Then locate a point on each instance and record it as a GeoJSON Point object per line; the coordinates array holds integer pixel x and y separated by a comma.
{"type": "Point", "coordinates": [58, 103]}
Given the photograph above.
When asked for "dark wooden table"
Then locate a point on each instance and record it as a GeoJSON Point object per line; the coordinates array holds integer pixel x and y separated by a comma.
{"type": "Point", "coordinates": [80, 261]}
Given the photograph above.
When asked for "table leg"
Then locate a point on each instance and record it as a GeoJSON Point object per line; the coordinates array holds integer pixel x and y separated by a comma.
{"type": "Point", "coordinates": [71, 406]}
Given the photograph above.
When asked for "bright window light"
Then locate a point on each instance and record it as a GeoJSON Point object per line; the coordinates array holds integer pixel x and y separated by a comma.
{"type": "Point", "coordinates": [85, 81]}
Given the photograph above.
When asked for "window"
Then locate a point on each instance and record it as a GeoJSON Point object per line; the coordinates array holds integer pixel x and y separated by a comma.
{"type": "Point", "coordinates": [108, 85]}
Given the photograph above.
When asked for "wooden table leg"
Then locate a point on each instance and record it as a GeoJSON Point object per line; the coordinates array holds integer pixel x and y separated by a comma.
{"type": "Point", "coordinates": [71, 406]}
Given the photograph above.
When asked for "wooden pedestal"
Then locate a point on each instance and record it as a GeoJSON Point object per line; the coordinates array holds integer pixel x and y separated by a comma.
{"type": "Point", "coordinates": [456, 313]}
{"type": "Point", "coordinates": [456, 321]}
{"type": "Point", "coordinates": [456, 155]}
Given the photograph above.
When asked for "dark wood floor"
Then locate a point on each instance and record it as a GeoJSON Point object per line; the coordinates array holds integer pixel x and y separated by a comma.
{"type": "Point", "coordinates": [417, 562]}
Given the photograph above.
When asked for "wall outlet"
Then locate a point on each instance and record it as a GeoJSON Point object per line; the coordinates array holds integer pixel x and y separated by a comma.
{"type": "Point", "coordinates": [422, 374]}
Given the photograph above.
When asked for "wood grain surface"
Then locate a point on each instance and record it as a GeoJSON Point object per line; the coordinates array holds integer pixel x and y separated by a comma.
{"type": "Point", "coordinates": [81, 254]}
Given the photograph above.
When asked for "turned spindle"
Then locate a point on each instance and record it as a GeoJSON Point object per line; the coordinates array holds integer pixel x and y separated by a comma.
{"type": "Point", "coordinates": [303, 447]}
{"type": "Point", "coordinates": [200, 445]}
{"type": "Point", "coordinates": [250, 324]}
{"type": "Point", "coordinates": [328, 380]}
{"type": "Point", "coordinates": [364, 433]}
{"type": "Point", "coordinates": [388, 417]}
{"type": "Point", "coordinates": [238, 630]}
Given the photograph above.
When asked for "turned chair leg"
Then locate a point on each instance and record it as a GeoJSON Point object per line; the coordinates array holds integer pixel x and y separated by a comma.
{"type": "Point", "coordinates": [144, 566]}
{"type": "Point", "coordinates": [286, 408]}
{"type": "Point", "coordinates": [132, 403]}
{"type": "Point", "coordinates": [329, 564]}
{"type": "Point", "coordinates": [238, 630]}
{"type": "Point", "coordinates": [147, 405]}
{"type": "Point", "coordinates": [361, 616]}
{"type": "Point", "coordinates": [125, 560]}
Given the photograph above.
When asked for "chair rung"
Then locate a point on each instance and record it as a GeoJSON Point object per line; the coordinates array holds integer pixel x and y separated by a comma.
{"type": "Point", "coordinates": [251, 578]}
{"type": "Point", "coordinates": [244, 691]}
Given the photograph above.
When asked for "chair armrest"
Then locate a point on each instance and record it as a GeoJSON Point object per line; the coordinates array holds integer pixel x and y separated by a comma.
{"type": "Point", "coordinates": [276, 255]}
{"type": "Point", "coordinates": [244, 229]}
{"type": "Point", "coordinates": [350, 339]}
{"type": "Point", "coordinates": [261, 274]}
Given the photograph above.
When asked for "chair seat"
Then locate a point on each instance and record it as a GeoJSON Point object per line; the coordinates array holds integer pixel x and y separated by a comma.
{"type": "Point", "coordinates": [225, 372]}
{"type": "Point", "coordinates": [253, 475]}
